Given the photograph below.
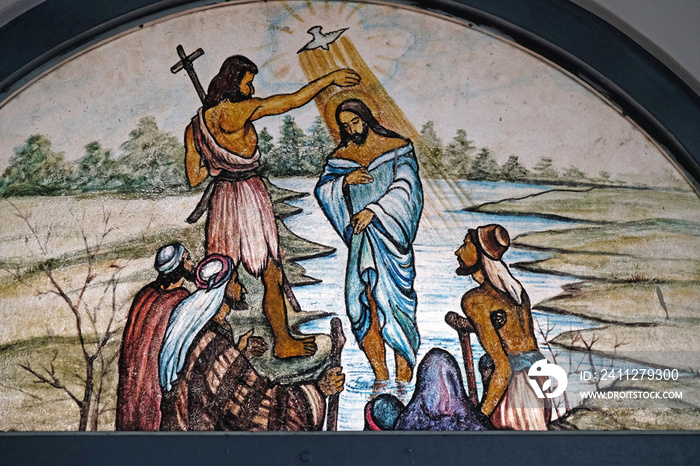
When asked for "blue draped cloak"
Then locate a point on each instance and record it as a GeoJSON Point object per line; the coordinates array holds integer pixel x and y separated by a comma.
{"type": "Point", "coordinates": [380, 257]}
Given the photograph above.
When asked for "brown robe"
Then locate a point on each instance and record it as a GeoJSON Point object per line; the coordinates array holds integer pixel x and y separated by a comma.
{"type": "Point", "coordinates": [218, 389]}
{"type": "Point", "coordinates": [138, 390]}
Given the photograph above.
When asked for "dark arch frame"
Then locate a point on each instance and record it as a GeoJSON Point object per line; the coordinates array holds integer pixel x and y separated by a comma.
{"type": "Point", "coordinates": [646, 90]}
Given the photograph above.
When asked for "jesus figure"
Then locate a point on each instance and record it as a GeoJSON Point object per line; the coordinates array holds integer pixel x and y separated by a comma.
{"type": "Point", "coordinates": [371, 194]}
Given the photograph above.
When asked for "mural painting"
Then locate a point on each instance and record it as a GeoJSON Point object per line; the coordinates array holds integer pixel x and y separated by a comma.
{"type": "Point", "coordinates": [338, 216]}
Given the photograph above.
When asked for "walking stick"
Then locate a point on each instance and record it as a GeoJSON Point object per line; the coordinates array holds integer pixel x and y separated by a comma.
{"type": "Point", "coordinates": [464, 327]}
{"type": "Point", "coordinates": [338, 342]}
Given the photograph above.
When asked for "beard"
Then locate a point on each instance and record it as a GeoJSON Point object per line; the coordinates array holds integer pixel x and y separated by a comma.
{"type": "Point", "coordinates": [464, 270]}
{"type": "Point", "coordinates": [360, 138]}
{"type": "Point", "coordinates": [188, 275]}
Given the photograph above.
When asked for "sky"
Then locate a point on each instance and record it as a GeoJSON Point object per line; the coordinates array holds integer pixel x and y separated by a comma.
{"type": "Point", "coordinates": [436, 69]}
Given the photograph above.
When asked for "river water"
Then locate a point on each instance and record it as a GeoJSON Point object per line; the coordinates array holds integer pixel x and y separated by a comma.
{"type": "Point", "coordinates": [439, 289]}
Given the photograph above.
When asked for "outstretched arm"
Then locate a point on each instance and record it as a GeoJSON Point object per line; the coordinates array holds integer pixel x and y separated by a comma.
{"type": "Point", "coordinates": [282, 103]}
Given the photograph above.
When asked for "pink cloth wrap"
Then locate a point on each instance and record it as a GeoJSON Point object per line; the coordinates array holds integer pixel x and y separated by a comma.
{"type": "Point", "coordinates": [520, 409]}
{"type": "Point", "coordinates": [240, 222]}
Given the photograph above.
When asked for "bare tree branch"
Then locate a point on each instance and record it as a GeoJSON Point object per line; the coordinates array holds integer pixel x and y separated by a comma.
{"type": "Point", "coordinates": [26, 219]}
{"type": "Point", "coordinates": [8, 387]}
{"type": "Point", "coordinates": [51, 380]}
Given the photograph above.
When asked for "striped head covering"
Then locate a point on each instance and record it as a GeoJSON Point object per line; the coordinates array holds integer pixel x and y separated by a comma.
{"type": "Point", "coordinates": [192, 314]}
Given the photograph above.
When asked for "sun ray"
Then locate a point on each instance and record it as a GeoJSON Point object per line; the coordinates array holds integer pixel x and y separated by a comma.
{"type": "Point", "coordinates": [342, 7]}
{"type": "Point", "coordinates": [355, 10]}
{"type": "Point", "coordinates": [273, 59]}
{"type": "Point", "coordinates": [263, 47]}
{"type": "Point", "coordinates": [380, 70]}
{"type": "Point", "coordinates": [283, 72]}
{"type": "Point", "coordinates": [291, 11]}
{"type": "Point", "coordinates": [384, 57]}
{"type": "Point", "coordinates": [311, 7]}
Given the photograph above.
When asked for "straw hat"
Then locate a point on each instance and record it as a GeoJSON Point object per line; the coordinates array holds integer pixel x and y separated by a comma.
{"type": "Point", "coordinates": [494, 240]}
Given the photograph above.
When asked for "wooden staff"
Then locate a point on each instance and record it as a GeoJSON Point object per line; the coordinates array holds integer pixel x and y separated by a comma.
{"type": "Point", "coordinates": [338, 342]}
{"type": "Point", "coordinates": [464, 328]}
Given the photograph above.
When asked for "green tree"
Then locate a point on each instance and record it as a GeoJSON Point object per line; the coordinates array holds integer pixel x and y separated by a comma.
{"type": "Point", "coordinates": [265, 144]}
{"type": "Point", "coordinates": [604, 176]}
{"type": "Point", "coordinates": [36, 170]}
{"type": "Point", "coordinates": [573, 174]}
{"type": "Point", "coordinates": [153, 160]}
{"type": "Point", "coordinates": [484, 167]}
{"type": "Point", "coordinates": [544, 169]}
{"type": "Point", "coordinates": [96, 170]}
{"type": "Point", "coordinates": [457, 157]}
{"type": "Point", "coordinates": [430, 148]}
{"type": "Point", "coordinates": [285, 158]}
{"type": "Point", "coordinates": [317, 146]}
{"type": "Point", "coordinates": [513, 170]}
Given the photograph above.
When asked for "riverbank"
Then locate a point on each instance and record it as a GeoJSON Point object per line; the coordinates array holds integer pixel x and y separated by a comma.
{"type": "Point", "coordinates": [39, 330]}
{"type": "Point", "coordinates": [637, 254]}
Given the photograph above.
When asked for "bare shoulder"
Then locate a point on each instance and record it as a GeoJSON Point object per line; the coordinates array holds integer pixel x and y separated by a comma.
{"type": "Point", "coordinates": [232, 115]}
{"type": "Point", "coordinates": [475, 302]}
{"type": "Point", "coordinates": [340, 153]}
{"type": "Point", "coordinates": [374, 147]}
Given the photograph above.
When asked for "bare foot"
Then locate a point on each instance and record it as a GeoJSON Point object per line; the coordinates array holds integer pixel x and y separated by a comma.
{"type": "Point", "coordinates": [291, 347]}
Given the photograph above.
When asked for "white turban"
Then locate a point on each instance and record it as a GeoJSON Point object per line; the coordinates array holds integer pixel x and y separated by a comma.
{"type": "Point", "coordinates": [168, 258]}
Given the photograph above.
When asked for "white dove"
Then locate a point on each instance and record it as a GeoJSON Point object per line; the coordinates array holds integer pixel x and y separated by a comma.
{"type": "Point", "coordinates": [321, 40]}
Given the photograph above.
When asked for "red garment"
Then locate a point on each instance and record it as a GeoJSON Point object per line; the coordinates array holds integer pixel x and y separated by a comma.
{"type": "Point", "coordinates": [138, 392]}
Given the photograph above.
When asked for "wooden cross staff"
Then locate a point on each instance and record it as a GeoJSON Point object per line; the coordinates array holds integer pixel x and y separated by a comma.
{"type": "Point", "coordinates": [464, 327]}
{"type": "Point", "coordinates": [186, 64]}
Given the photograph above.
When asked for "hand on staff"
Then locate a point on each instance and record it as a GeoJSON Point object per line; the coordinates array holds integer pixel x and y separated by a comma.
{"type": "Point", "coordinates": [359, 176]}
{"type": "Point", "coordinates": [345, 77]}
{"type": "Point", "coordinates": [251, 346]}
{"type": "Point", "coordinates": [331, 381]}
{"type": "Point", "coordinates": [361, 220]}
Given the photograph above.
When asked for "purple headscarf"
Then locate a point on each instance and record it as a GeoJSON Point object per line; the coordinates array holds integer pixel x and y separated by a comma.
{"type": "Point", "coordinates": [439, 401]}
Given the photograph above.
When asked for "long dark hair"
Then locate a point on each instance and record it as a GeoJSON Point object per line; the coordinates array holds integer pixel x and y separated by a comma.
{"type": "Point", "coordinates": [359, 108]}
{"type": "Point", "coordinates": [226, 84]}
